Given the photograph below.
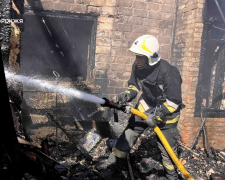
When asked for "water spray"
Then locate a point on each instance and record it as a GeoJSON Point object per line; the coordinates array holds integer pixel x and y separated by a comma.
{"type": "Point", "coordinates": [72, 92]}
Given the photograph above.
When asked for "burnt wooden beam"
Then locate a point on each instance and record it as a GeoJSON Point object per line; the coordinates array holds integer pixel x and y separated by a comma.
{"type": "Point", "coordinates": [7, 131]}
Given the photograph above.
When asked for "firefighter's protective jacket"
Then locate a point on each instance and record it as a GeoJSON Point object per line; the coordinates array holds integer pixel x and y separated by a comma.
{"type": "Point", "coordinates": [160, 80]}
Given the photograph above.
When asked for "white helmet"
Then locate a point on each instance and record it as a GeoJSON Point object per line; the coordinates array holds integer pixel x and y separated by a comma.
{"type": "Point", "coordinates": [147, 45]}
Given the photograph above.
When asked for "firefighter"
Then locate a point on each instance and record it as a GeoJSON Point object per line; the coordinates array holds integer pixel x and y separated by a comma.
{"type": "Point", "coordinates": [159, 84]}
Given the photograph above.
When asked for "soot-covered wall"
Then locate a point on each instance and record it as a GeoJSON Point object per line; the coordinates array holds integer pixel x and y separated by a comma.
{"type": "Point", "coordinates": [55, 43]}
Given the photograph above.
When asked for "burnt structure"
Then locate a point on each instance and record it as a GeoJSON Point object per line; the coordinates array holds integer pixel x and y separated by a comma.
{"type": "Point", "coordinates": [185, 27]}
{"type": "Point", "coordinates": [212, 59]}
{"type": "Point", "coordinates": [105, 30]}
{"type": "Point", "coordinates": [55, 41]}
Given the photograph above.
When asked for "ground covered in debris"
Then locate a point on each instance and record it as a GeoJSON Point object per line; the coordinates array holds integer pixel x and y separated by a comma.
{"type": "Point", "coordinates": [82, 150]}
{"type": "Point", "coordinates": [77, 136]}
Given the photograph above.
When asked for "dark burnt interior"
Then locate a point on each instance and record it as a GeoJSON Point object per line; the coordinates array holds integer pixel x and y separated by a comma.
{"type": "Point", "coordinates": [211, 70]}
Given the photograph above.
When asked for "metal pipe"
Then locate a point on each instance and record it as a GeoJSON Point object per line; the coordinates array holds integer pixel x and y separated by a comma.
{"type": "Point", "coordinates": [220, 10]}
{"type": "Point", "coordinates": [174, 30]}
{"type": "Point", "coordinates": [130, 167]}
{"type": "Point", "coordinates": [56, 74]}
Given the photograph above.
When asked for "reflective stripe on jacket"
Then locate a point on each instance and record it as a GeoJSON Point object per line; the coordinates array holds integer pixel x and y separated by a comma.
{"type": "Point", "coordinates": [160, 80]}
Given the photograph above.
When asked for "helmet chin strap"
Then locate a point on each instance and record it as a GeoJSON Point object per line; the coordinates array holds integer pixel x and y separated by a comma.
{"type": "Point", "coordinates": [153, 61]}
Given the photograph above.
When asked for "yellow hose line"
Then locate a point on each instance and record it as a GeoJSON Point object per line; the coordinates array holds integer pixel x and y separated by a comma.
{"type": "Point", "coordinates": [138, 113]}
{"type": "Point", "coordinates": [165, 144]}
{"type": "Point", "coordinates": [172, 154]}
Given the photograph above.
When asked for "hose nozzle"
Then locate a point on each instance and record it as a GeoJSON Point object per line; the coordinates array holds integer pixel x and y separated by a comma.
{"type": "Point", "coordinates": [107, 103]}
{"type": "Point", "coordinates": [111, 104]}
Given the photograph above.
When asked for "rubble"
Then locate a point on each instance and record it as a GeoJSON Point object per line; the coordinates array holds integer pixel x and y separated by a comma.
{"type": "Point", "coordinates": [80, 151]}
{"type": "Point", "coordinates": [145, 158]}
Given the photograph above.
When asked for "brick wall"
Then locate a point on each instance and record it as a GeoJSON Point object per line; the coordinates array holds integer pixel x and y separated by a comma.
{"type": "Point", "coordinates": [119, 24]}
{"type": "Point", "coordinates": [186, 56]}
{"type": "Point", "coordinates": [132, 19]}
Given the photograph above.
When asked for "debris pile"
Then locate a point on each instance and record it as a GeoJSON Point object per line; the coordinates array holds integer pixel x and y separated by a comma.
{"type": "Point", "coordinates": [145, 157]}
{"type": "Point", "coordinates": [66, 150]}
{"type": "Point", "coordinates": [205, 167]}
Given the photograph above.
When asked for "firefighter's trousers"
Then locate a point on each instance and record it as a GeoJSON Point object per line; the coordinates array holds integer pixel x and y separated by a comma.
{"type": "Point", "coordinates": [134, 129]}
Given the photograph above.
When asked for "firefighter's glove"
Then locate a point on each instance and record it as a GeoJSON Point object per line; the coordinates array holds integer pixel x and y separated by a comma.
{"type": "Point", "coordinates": [151, 121]}
{"type": "Point", "coordinates": [163, 111]}
{"type": "Point", "coordinates": [123, 97]}
{"type": "Point", "coordinates": [126, 96]}
{"type": "Point", "coordinates": [160, 114]}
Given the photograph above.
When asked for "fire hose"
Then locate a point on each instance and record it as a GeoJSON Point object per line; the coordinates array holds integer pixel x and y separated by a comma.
{"type": "Point", "coordinates": [128, 109]}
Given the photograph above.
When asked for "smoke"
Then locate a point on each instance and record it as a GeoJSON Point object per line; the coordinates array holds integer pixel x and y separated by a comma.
{"type": "Point", "coordinates": [71, 92]}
